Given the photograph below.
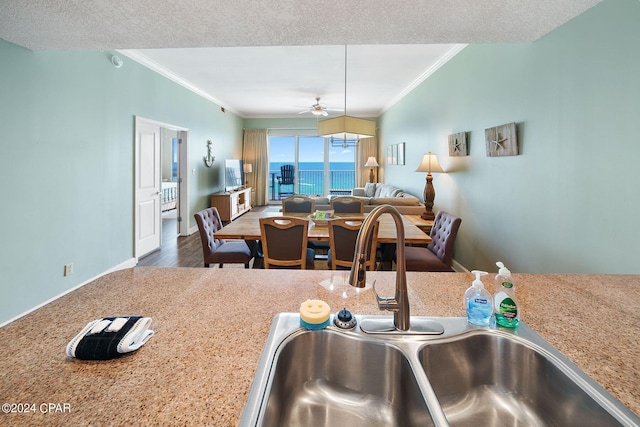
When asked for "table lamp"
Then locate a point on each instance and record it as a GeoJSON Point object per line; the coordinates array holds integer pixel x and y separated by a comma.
{"type": "Point", "coordinates": [371, 163]}
{"type": "Point", "coordinates": [247, 168]}
{"type": "Point", "coordinates": [429, 164]}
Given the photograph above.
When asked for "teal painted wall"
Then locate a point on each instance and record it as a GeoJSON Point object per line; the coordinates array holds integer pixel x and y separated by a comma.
{"type": "Point", "coordinates": [66, 175]}
{"type": "Point", "coordinates": [286, 123]}
{"type": "Point", "coordinates": [569, 202]}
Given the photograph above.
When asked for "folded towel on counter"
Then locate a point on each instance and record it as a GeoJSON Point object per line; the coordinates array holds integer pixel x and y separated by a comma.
{"type": "Point", "coordinates": [110, 337]}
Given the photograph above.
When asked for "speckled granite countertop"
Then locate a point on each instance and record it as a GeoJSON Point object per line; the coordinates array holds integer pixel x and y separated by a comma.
{"type": "Point", "coordinates": [211, 326]}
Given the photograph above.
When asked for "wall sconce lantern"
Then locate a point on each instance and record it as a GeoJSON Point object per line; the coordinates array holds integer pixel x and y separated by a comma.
{"type": "Point", "coordinates": [208, 159]}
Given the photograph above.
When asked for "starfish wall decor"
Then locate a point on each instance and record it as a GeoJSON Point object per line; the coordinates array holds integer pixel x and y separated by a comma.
{"type": "Point", "coordinates": [458, 144]}
{"type": "Point", "coordinates": [501, 140]}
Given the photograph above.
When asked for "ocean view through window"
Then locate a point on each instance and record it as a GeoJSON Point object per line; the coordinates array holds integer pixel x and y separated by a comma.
{"type": "Point", "coordinates": [320, 169]}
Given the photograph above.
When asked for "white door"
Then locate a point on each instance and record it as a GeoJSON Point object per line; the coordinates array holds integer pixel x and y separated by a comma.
{"type": "Point", "coordinates": [147, 188]}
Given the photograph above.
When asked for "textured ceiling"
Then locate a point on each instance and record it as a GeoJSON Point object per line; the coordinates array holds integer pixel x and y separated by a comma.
{"type": "Point", "coordinates": [262, 63]}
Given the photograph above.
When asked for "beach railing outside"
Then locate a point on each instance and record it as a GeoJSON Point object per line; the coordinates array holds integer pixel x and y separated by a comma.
{"type": "Point", "coordinates": [311, 183]}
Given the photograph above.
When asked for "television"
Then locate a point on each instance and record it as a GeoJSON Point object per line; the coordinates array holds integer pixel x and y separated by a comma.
{"type": "Point", "coordinates": [233, 178]}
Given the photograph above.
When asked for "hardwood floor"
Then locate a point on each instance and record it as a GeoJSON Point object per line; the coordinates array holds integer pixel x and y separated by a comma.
{"type": "Point", "coordinates": [180, 251]}
{"type": "Point", "coordinates": [176, 251]}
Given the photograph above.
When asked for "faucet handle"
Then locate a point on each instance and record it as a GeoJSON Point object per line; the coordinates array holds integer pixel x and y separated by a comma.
{"type": "Point", "coordinates": [386, 303]}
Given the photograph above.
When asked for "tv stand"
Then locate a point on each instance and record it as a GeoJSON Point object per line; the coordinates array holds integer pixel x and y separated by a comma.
{"type": "Point", "coordinates": [232, 204]}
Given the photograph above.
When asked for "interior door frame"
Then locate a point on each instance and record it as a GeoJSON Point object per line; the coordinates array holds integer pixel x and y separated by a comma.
{"type": "Point", "coordinates": [183, 182]}
{"type": "Point", "coordinates": [183, 178]}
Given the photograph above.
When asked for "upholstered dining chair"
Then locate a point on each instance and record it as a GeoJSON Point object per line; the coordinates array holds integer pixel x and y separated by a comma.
{"type": "Point", "coordinates": [343, 233]}
{"type": "Point", "coordinates": [217, 251]}
{"type": "Point", "coordinates": [298, 204]}
{"type": "Point", "coordinates": [438, 255]}
{"type": "Point", "coordinates": [284, 243]}
{"type": "Point", "coordinates": [347, 204]}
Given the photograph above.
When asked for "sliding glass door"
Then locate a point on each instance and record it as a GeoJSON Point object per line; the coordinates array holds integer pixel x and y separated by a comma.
{"type": "Point", "coordinates": [320, 169]}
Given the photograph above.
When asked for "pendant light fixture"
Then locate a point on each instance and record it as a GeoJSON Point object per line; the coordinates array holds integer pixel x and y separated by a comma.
{"type": "Point", "coordinates": [346, 127]}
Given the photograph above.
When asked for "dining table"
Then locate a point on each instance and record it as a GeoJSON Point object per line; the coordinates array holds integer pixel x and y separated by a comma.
{"type": "Point", "coordinates": [247, 228]}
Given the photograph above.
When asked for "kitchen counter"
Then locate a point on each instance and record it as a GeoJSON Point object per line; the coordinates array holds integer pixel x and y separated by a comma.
{"type": "Point", "coordinates": [211, 324]}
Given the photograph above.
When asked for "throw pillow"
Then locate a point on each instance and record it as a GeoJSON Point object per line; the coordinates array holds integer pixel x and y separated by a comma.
{"type": "Point", "coordinates": [369, 189]}
{"type": "Point", "coordinates": [397, 192]}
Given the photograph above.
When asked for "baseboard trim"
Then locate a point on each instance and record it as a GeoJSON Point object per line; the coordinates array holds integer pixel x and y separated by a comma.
{"type": "Point", "coordinates": [132, 262]}
{"type": "Point", "coordinates": [459, 267]}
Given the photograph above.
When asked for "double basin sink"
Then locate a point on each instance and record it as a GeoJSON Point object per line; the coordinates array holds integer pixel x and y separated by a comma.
{"type": "Point", "coordinates": [466, 376]}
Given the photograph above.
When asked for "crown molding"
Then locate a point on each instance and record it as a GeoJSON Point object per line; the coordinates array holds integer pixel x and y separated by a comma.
{"type": "Point", "coordinates": [424, 76]}
{"type": "Point", "coordinates": [154, 66]}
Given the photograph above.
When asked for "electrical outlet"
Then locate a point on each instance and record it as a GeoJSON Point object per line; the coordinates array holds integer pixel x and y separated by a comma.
{"type": "Point", "coordinates": [68, 269]}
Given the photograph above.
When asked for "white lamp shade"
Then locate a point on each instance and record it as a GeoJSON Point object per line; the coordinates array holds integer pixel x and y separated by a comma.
{"type": "Point", "coordinates": [372, 162]}
{"type": "Point", "coordinates": [429, 164]}
{"type": "Point", "coordinates": [247, 168]}
{"type": "Point", "coordinates": [347, 127]}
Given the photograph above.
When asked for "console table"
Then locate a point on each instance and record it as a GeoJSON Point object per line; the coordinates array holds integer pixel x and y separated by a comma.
{"type": "Point", "coordinates": [423, 224]}
{"type": "Point", "coordinates": [232, 204]}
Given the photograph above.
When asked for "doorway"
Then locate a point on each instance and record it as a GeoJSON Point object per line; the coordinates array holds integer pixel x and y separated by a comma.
{"type": "Point", "coordinates": [161, 185]}
{"type": "Point", "coordinates": [170, 202]}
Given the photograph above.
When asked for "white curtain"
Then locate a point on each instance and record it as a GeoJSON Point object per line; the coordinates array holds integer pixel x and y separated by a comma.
{"type": "Point", "coordinates": [255, 150]}
{"type": "Point", "coordinates": [367, 147]}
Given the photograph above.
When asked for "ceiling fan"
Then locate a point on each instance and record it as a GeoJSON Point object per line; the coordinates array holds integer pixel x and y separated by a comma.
{"type": "Point", "coordinates": [318, 109]}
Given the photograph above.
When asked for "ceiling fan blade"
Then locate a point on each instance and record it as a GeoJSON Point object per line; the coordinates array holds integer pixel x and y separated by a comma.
{"type": "Point", "coordinates": [324, 113]}
{"type": "Point", "coordinates": [305, 111]}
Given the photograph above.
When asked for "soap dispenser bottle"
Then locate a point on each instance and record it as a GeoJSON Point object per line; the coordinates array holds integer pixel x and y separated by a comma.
{"type": "Point", "coordinates": [477, 302]}
{"type": "Point", "coordinates": [505, 304]}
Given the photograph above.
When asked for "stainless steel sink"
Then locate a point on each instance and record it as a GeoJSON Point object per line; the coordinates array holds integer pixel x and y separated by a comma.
{"type": "Point", "coordinates": [490, 379]}
{"type": "Point", "coordinates": [466, 376]}
{"type": "Point", "coordinates": [327, 378]}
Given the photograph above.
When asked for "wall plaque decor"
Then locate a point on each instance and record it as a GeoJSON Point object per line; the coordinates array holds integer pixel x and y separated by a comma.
{"type": "Point", "coordinates": [389, 155]}
{"type": "Point", "coordinates": [501, 140]}
{"type": "Point", "coordinates": [209, 159]}
{"type": "Point", "coordinates": [458, 144]}
{"type": "Point", "coordinates": [401, 153]}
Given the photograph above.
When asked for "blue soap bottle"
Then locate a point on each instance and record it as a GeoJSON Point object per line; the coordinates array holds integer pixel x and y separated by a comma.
{"type": "Point", "coordinates": [478, 302]}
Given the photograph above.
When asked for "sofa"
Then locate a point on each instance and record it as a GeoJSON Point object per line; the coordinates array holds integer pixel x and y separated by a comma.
{"type": "Point", "coordinates": [376, 194]}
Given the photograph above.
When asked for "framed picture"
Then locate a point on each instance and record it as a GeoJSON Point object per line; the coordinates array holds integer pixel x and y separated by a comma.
{"type": "Point", "coordinates": [501, 140]}
{"type": "Point", "coordinates": [401, 153]}
{"type": "Point", "coordinates": [389, 155]}
{"type": "Point", "coordinates": [394, 154]}
{"type": "Point", "coordinates": [458, 144]}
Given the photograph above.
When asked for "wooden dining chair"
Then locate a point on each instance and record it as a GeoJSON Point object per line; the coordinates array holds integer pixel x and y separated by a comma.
{"type": "Point", "coordinates": [284, 243]}
{"type": "Point", "coordinates": [347, 204]}
{"type": "Point", "coordinates": [218, 251]}
{"type": "Point", "coordinates": [298, 204]}
{"type": "Point", "coordinates": [438, 255]}
{"type": "Point", "coordinates": [343, 233]}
